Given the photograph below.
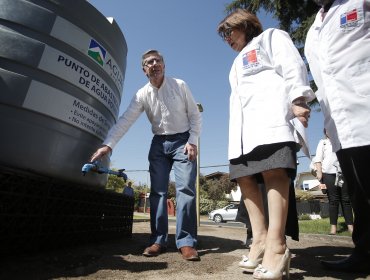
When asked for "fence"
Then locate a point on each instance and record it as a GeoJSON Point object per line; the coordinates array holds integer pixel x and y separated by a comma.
{"type": "Point", "coordinates": [314, 207]}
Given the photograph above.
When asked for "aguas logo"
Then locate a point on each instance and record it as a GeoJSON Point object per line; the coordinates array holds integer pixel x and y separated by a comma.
{"type": "Point", "coordinates": [97, 52]}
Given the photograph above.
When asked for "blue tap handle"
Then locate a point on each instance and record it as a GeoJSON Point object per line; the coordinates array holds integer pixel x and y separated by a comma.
{"type": "Point", "coordinates": [88, 167]}
{"type": "Point", "coordinates": [95, 167]}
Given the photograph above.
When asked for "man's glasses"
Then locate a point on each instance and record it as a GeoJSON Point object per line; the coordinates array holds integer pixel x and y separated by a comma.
{"type": "Point", "coordinates": [152, 61]}
{"type": "Point", "coordinates": [227, 33]}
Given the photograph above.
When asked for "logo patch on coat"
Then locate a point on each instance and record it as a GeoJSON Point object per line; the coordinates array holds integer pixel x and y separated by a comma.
{"type": "Point", "coordinates": [250, 59]}
{"type": "Point", "coordinates": [350, 19]}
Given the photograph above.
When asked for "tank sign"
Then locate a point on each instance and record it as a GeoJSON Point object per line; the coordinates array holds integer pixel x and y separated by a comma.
{"type": "Point", "coordinates": [62, 69]}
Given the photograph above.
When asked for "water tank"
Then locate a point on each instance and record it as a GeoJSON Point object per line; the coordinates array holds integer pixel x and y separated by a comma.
{"type": "Point", "coordinates": [62, 68]}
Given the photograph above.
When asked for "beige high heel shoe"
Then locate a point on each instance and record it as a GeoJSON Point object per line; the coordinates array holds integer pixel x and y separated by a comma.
{"type": "Point", "coordinates": [250, 265]}
{"type": "Point", "coordinates": [284, 266]}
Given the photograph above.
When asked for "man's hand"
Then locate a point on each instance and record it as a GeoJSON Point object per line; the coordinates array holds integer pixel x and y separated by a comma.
{"type": "Point", "coordinates": [100, 153]}
{"type": "Point", "coordinates": [301, 110]}
{"type": "Point", "coordinates": [191, 151]}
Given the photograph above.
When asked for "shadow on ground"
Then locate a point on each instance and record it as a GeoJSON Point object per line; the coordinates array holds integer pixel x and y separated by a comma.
{"type": "Point", "coordinates": [119, 254]}
{"type": "Point", "coordinates": [307, 262]}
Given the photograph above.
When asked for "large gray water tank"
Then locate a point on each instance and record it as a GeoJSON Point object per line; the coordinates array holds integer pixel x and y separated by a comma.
{"type": "Point", "coordinates": [62, 68]}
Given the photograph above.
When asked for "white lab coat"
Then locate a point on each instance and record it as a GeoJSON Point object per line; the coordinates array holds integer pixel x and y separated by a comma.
{"type": "Point", "coordinates": [338, 52]}
{"type": "Point", "coordinates": [266, 76]}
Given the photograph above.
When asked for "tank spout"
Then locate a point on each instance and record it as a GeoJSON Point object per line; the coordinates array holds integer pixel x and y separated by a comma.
{"type": "Point", "coordinates": [95, 167]}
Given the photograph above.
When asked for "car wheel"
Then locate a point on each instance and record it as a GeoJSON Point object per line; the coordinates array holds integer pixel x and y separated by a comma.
{"type": "Point", "coordinates": [217, 218]}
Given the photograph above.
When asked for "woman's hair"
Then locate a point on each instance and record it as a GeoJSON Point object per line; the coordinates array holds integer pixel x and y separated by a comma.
{"type": "Point", "coordinates": [243, 20]}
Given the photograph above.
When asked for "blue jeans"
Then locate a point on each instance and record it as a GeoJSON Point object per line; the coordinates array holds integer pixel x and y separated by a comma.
{"type": "Point", "coordinates": [167, 152]}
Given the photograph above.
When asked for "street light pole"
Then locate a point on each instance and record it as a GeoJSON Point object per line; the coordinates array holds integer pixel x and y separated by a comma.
{"type": "Point", "coordinates": [200, 108]}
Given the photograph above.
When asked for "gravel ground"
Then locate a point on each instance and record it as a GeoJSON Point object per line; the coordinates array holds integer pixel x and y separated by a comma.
{"type": "Point", "coordinates": [220, 249]}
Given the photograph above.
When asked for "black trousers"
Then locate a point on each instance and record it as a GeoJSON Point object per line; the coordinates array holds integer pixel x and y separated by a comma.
{"type": "Point", "coordinates": [356, 169]}
{"type": "Point", "coordinates": [337, 196]}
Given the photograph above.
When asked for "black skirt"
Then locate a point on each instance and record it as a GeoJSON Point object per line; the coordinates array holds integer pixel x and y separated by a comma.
{"type": "Point", "coordinates": [263, 158]}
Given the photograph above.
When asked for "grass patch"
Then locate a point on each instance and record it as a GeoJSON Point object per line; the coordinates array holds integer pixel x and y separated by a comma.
{"type": "Point", "coordinates": [139, 216]}
{"type": "Point", "coordinates": [322, 226]}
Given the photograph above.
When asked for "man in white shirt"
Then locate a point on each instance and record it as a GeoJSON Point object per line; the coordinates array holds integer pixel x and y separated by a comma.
{"type": "Point", "coordinates": [176, 124]}
{"type": "Point", "coordinates": [337, 50]}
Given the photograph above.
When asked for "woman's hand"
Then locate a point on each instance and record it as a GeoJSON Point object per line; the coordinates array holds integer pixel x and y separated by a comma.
{"type": "Point", "coordinates": [301, 110]}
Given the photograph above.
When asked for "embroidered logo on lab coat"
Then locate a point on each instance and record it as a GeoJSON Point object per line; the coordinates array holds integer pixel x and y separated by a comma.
{"type": "Point", "coordinates": [350, 20]}
{"type": "Point", "coordinates": [251, 60]}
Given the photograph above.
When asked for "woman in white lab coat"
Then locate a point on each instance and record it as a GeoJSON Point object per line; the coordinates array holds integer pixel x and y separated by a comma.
{"type": "Point", "coordinates": [269, 87]}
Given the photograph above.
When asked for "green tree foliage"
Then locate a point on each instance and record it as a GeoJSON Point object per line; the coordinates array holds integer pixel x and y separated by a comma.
{"type": "Point", "coordinates": [294, 16]}
{"type": "Point", "coordinates": [218, 188]}
{"type": "Point", "coordinates": [141, 188]}
{"type": "Point", "coordinates": [206, 205]}
{"type": "Point", "coordinates": [301, 195]}
{"type": "Point", "coordinates": [171, 190]}
{"type": "Point", "coordinates": [115, 183]}
{"type": "Point", "coordinates": [211, 193]}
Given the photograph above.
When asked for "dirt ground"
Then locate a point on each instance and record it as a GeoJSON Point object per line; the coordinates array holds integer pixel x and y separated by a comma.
{"type": "Point", "coordinates": [220, 249]}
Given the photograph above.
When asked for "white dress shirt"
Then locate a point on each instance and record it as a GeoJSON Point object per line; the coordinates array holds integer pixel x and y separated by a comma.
{"type": "Point", "coordinates": [326, 156]}
{"type": "Point", "coordinates": [170, 109]}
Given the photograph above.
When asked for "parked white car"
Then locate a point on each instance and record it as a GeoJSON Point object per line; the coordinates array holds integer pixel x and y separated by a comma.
{"type": "Point", "coordinates": [228, 213]}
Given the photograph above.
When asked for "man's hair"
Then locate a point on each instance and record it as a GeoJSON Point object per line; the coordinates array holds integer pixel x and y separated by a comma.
{"type": "Point", "coordinates": [147, 53]}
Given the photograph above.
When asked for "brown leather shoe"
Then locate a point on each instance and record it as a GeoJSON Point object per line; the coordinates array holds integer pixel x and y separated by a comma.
{"type": "Point", "coordinates": [154, 250]}
{"type": "Point", "coordinates": [189, 253]}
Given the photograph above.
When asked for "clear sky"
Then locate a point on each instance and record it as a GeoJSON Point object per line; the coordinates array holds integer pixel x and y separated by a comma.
{"type": "Point", "coordinates": [185, 33]}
